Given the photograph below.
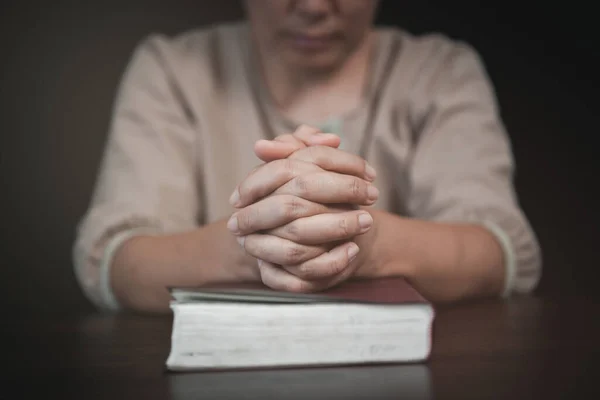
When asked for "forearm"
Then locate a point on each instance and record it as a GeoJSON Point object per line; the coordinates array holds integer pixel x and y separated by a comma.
{"type": "Point", "coordinates": [446, 262]}
{"type": "Point", "coordinates": [145, 266]}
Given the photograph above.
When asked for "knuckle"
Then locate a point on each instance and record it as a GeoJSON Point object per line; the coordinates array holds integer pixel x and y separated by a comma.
{"type": "Point", "coordinates": [301, 185]}
{"type": "Point", "coordinates": [249, 192]}
{"type": "Point", "coordinates": [306, 271]}
{"type": "Point", "coordinates": [335, 266]}
{"type": "Point", "coordinates": [357, 188]}
{"type": "Point", "coordinates": [313, 153]}
{"type": "Point", "coordinates": [288, 166]}
{"type": "Point", "coordinates": [344, 227]}
{"type": "Point", "coordinates": [293, 208]}
{"type": "Point", "coordinates": [292, 231]}
{"type": "Point", "coordinates": [292, 255]}
{"type": "Point", "coordinates": [245, 221]}
{"type": "Point", "coordinates": [282, 168]}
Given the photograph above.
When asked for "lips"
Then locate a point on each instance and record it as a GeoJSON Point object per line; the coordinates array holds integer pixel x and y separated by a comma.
{"type": "Point", "coordinates": [312, 41]}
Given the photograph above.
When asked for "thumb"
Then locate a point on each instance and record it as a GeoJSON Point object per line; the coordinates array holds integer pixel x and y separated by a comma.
{"type": "Point", "coordinates": [314, 137]}
{"type": "Point", "coordinates": [279, 148]}
{"type": "Point", "coordinates": [284, 145]}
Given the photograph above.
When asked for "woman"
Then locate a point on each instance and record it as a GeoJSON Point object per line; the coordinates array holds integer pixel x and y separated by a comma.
{"type": "Point", "coordinates": [412, 178]}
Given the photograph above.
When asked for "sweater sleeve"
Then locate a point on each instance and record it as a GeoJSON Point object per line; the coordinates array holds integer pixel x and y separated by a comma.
{"type": "Point", "coordinates": [146, 183]}
{"type": "Point", "coordinates": [462, 167]}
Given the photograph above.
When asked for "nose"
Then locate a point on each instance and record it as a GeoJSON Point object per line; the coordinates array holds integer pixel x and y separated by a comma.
{"type": "Point", "coordinates": [315, 9]}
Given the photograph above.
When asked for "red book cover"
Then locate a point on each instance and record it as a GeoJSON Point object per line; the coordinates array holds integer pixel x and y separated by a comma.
{"type": "Point", "coordinates": [377, 291]}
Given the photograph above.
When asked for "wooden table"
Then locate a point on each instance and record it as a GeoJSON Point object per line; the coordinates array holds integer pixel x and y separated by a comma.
{"type": "Point", "coordinates": [525, 348]}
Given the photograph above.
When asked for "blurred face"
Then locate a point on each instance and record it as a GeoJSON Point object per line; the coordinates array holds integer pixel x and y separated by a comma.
{"type": "Point", "coordinates": [310, 34]}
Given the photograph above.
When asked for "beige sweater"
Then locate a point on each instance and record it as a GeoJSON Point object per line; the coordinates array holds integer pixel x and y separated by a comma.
{"type": "Point", "coordinates": [190, 108]}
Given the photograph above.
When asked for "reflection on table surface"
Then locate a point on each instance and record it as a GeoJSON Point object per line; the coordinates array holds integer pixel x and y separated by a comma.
{"type": "Point", "coordinates": [520, 348]}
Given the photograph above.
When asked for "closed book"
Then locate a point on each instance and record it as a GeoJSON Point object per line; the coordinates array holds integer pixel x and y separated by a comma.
{"type": "Point", "coordinates": [234, 326]}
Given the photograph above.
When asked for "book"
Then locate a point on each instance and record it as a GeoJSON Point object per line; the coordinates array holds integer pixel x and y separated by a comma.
{"type": "Point", "coordinates": [236, 326]}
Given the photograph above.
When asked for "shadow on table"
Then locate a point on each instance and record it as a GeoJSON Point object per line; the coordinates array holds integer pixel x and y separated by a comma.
{"type": "Point", "coordinates": [377, 382]}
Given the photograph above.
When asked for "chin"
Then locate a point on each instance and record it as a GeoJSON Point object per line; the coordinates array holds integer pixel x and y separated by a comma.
{"type": "Point", "coordinates": [323, 62]}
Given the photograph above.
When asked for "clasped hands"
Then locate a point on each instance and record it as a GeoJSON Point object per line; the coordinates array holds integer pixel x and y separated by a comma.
{"type": "Point", "coordinates": [301, 213]}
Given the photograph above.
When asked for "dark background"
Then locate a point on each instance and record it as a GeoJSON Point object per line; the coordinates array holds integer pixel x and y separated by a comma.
{"type": "Point", "coordinates": [61, 62]}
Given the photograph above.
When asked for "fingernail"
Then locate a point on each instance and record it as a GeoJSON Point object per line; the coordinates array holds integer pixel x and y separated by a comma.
{"type": "Point", "coordinates": [232, 224]}
{"type": "Point", "coordinates": [260, 262]}
{"type": "Point", "coordinates": [241, 240]}
{"type": "Point", "coordinates": [235, 197]}
{"type": "Point", "coordinates": [370, 172]}
{"type": "Point", "coordinates": [352, 252]}
{"type": "Point", "coordinates": [372, 193]}
{"type": "Point", "coordinates": [365, 221]}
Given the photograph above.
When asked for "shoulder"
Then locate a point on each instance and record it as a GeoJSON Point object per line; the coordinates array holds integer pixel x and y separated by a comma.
{"type": "Point", "coordinates": [427, 70]}
{"type": "Point", "coordinates": [198, 53]}
{"type": "Point", "coordinates": [430, 59]}
{"type": "Point", "coordinates": [430, 50]}
{"type": "Point", "coordinates": [197, 43]}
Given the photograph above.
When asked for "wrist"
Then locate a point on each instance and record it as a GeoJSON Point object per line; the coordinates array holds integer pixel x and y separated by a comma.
{"type": "Point", "coordinates": [133, 286]}
{"type": "Point", "coordinates": [382, 251]}
{"type": "Point", "coordinates": [145, 266]}
{"type": "Point", "coordinates": [241, 266]}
